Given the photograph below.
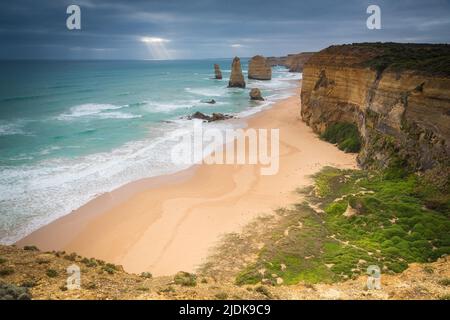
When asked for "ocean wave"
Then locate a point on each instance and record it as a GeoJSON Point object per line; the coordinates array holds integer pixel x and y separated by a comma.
{"type": "Point", "coordinates": [40, 193]}
{"type": "Point", "coordinates": [48, 150]}
{"type": "Point", "coordinates": [207, 92]}
{"type": "Point", "coordinates": [166, 107]}
{"type": "Point", "coordinates": [12, 128]}
{"type": "Point", "coordinates": [97, 110]}
{"type": "Point", "coordinates": [118, 115]}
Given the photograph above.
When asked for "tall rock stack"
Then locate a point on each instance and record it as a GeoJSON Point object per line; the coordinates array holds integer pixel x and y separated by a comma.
{"type": "Point", "coordinates": [236, 77]}
{"type": "Point", "coordinates": [217, 72]}
{"type": "Point", "coordinates": [259, 69]}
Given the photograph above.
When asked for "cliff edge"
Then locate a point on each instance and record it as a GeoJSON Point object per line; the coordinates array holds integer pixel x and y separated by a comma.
{"type": "Point", "coordinates": [398, 96]}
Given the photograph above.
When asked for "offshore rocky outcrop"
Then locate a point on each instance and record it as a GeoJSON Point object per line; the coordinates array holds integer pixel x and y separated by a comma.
{"type": "Point", "coordinates": [259, 69]}
{"type": "Point", "coordinates": [217, 72]}
{"type": "Point", "coordinates": [398, 95]}
{"type": "Point", "coordinates": [294, 62]}
{"type": "Point", "coordinates": [236, 77]}
{"type": "Point", "coordinates": [255, 94]}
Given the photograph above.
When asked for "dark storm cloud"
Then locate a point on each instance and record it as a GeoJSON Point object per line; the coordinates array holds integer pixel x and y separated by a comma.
{"type": "Point", "coordinates": [209, 28]}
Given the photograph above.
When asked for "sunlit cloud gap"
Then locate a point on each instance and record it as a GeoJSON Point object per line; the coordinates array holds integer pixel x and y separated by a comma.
{"type": "Point", "coordinates": [157, 47]}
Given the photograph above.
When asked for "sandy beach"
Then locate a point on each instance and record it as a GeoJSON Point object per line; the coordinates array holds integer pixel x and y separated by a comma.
{"type": "Point", "coordinates": [168, 223]}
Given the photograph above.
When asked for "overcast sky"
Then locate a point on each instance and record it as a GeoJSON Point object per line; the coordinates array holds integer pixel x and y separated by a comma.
{"type": "Point", "coordinates": [186, 29]}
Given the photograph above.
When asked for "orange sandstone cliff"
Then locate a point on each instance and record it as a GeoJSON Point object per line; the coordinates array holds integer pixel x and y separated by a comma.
{"type": "Point", "coordinates": [398, 95]}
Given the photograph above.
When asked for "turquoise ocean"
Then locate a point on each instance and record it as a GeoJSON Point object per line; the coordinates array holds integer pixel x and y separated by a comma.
{"type": "Point", "coordinates": [71, 130]}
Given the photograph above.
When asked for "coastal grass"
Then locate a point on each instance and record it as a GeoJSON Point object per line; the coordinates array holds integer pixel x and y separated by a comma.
{"type": "Point", "coordinates": [426, 58]}
{"type": "Point", "coordinates": [391, 225]}
{"type": "Point", "coordinates": [345, 135]}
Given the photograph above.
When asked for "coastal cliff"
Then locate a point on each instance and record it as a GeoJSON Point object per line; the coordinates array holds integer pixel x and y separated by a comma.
{"type": "Point", "coordinates": [294, 62]}
{"type": "Point", "coordinates": [398, 96]}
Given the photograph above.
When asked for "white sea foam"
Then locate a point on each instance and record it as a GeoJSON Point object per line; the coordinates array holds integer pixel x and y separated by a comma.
{"type": "Point", "coordinates": [34, 195]}
{"type": "Point", "coordinates": [55, 187]}
{"type": "Point", "coordinates": [97, 110]}
{"type": "Point", "coordinates": [207, 92]}
{"type": "Point", "coordinates": [12, 128]}
{"type": "Point", "coordinates": [167, 107]}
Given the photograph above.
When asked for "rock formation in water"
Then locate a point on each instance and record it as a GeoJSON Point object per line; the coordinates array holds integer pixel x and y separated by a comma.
{"type": "Point", "coordinates": [255, 94]}
{"type": "Point", "coordinates": [399, 102]}
{"type": "Point", "coordinates": [236, 77]}
{"type": "Point", "coordinates": [211, 118]}
{"type": "Point", "coordinates": [259, 69]}
{"type": "Point", "coordinates": [294, 62]}
{"type": "Point", "coordinates": [217, 72]}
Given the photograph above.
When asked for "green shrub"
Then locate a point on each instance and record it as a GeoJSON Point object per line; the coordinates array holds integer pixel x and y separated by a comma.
{"type": "Point", "coordinates": [146, 275]}
{"type": "Point", "coordinates": [71, 257]}
{"type": "Point", "coordinates": [185, 279]}
{"type": "Point", "coordinates": [30, 248]}
{"type": "Point", "coordinates": [109, 269]}
{"type": "Point", "coordinates": [51, 273]}
{"type": "Point", "coordinates": [28, 284]}
{"type": "Point", "coordinates": [345, 135]}
{"type": "Point", "coordinates": [13, 292]}
{"type": "Point", "coordinates": [6, 271]}
{"type": "Point", "coordinates": [444, 282]}
{"type": "Point", "coordinates": [91, 263]}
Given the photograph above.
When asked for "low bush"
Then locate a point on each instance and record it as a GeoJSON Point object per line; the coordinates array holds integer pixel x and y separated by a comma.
{"type": "Point", "coordinates": [185, 279]}
{"type": "Point", "coordinates": [51, 273]}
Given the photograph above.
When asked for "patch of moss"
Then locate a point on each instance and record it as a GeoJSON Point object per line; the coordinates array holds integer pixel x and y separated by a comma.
{"type": "Point", "coordinates": [390, 226]}
{"type": "Point", "coordinates": [345, 135]}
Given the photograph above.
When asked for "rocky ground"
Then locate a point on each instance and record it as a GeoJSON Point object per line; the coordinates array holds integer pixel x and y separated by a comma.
{"type": "Point", "coordinates": [45, 274]}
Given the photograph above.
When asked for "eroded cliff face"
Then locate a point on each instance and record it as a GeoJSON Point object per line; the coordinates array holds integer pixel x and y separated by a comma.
{"type": "Point", "coordinates": [294, 62]}
{"type": "Point", "coordinates": [402, 113]}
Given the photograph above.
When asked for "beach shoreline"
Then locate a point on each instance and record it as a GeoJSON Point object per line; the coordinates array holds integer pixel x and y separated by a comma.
{"type": "Point", "coordinates": [168, 223]}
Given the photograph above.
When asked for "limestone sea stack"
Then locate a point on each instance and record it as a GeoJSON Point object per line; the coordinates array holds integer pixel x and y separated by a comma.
{"type": "Point", "coordinates": [217, 72]}
{"type": "Point", "coordinates": [236, 77]}
{"type": "Point", "coordinates": [255, 94]}
{"type": "Point", "coordinates": [259, 68]}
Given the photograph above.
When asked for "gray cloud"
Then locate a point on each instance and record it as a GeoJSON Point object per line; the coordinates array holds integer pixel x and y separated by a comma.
{"type": "Point", "coordinates": [112, 29]}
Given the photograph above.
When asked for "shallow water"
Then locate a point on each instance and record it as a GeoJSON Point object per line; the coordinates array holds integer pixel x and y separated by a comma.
{"type": "Point", "coordinates": [71, 130]}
